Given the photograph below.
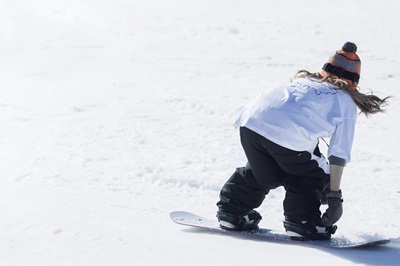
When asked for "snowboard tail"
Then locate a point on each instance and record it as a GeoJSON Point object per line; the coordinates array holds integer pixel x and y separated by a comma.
{"type": "Point", "coordinates": [193, 220]}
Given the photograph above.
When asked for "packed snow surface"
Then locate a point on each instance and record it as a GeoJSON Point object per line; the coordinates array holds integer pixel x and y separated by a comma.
{"type": "Point", "coordinates": [115, 113]}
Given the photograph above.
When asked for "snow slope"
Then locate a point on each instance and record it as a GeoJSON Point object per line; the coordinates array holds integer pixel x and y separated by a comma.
{"type": "Point", "coordinates": [115, 113]}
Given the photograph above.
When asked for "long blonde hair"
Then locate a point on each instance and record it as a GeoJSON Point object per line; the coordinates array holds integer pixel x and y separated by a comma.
{"type": "Point", "coordinates": [367, 103]}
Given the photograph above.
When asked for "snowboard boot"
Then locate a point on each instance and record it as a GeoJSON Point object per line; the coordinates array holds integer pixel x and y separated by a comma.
{"type": "Point", "coordinates": [234, 222]}
{"type": "Point", "coordinates": [304, 230]}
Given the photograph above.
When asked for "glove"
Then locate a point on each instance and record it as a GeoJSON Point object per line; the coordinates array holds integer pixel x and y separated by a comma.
{"type": "Point", "coordinates": [335, 208]}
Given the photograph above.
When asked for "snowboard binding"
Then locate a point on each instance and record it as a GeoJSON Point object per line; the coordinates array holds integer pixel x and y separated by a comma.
{"type": "Point", "coordinates": [304, 231]}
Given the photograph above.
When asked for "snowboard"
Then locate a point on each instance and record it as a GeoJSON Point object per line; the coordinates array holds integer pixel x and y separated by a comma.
{"type": "Point", "coordinates": [193, 220]}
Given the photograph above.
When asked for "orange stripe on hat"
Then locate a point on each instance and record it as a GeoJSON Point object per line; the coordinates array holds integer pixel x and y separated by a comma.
{"type": "Point", "coordinates": [344, 64]}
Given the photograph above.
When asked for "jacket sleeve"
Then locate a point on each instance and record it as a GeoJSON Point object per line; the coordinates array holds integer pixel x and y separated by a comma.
{"type": "Point", "coordinates": [342, 140]}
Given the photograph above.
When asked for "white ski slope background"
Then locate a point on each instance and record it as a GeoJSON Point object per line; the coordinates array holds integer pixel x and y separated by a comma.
{"type": "Point", "coordinates": [115, 113]}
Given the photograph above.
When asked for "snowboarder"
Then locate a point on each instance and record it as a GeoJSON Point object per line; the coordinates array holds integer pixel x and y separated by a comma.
{"type": "Point", "coordinates": [279, 132]}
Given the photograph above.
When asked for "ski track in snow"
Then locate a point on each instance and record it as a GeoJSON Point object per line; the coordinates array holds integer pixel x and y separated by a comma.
{"type": "Point", "coordinates": [114, 114]}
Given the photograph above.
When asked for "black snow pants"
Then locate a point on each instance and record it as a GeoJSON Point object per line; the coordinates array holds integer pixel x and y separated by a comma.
{"type": "Point", "coordinates": [270, 166]}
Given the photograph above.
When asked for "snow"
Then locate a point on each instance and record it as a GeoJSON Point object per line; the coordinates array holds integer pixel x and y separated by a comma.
{"type": "Point", "coordinates": [115, 113]}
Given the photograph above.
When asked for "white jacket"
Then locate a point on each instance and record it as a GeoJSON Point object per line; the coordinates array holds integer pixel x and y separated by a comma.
{"type": "Point", "coordinates": [295, 115]}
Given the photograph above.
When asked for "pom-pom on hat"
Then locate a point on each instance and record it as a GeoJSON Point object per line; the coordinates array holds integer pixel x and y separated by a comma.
{"type": "Point", "coordinates": [344, 64]}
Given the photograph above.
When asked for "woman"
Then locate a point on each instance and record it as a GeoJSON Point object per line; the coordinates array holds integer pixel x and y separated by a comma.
{"type": "Point", "coordinates": [279, 133]}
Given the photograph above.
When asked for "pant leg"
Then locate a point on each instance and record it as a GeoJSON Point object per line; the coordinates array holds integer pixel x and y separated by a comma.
{"type": "Point", "coordinates": [303, 185]}
{"type": "Point", "coordinates": [266, 170]}
{"type": "Point", "coordinates": [301, 199]}
{"type": "Point", "coordinates": [247, 187]}
{"type": "Point", "coordinates": [241, 193]}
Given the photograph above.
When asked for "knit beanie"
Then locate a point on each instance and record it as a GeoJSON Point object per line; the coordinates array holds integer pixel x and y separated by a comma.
{"type": "Point", "coordinates": [345, 64]}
